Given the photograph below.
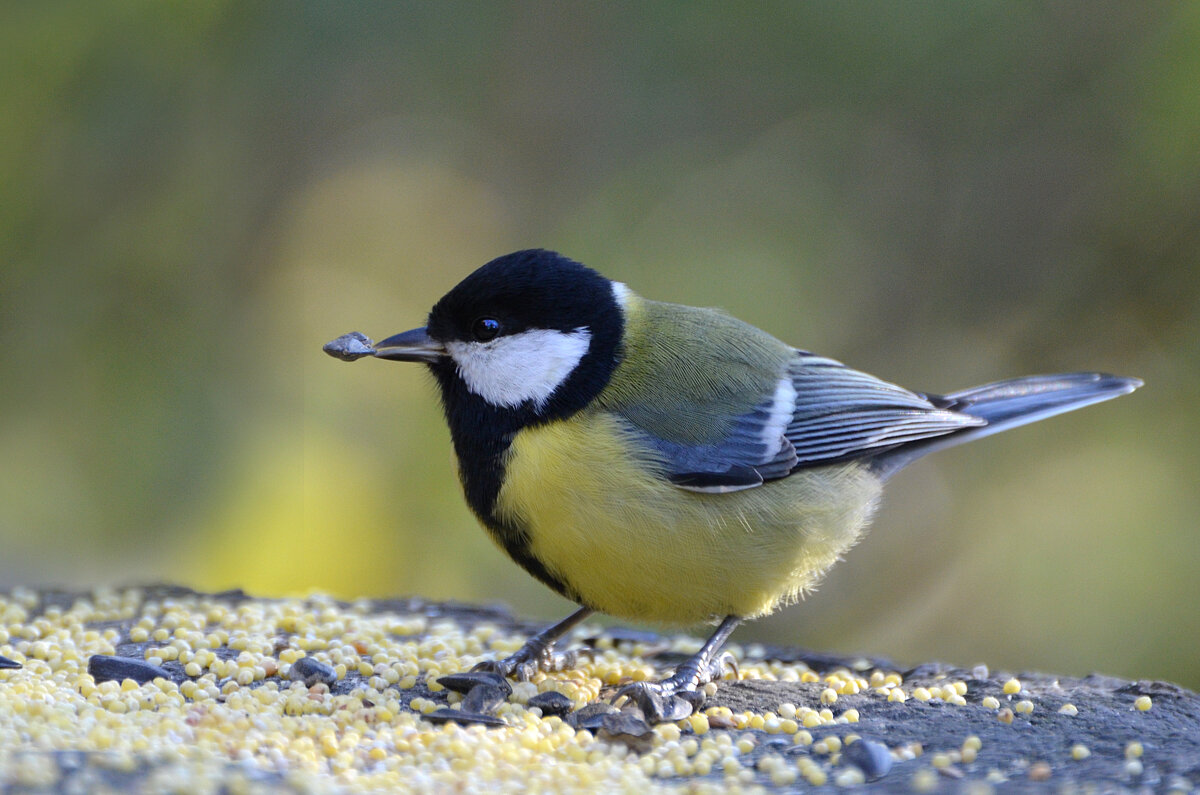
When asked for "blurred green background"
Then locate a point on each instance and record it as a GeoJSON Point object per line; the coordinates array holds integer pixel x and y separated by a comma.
{"type": "Point", "coordinates": [195, 196]}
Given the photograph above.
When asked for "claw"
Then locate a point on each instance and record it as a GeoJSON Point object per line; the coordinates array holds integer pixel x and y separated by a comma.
{"type": "Point", "coordinates": [663, 701]}
{"type": "Point", "coordinates": [681, 693]}
{"type": "Point", "coordinates": [717, 667]}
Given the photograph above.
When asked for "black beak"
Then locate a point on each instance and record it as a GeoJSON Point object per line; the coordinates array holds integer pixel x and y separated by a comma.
{"type": "Point", "coordinates": [410, 346]}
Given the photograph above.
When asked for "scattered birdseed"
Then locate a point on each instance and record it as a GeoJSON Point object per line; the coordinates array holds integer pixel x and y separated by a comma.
{"type": "Point", "coordinates": [1079, 752]}
{"type": "Point", "coordinates": [850, 777]}
{"type": "Point", "coordinates": [311, 672]}
{"type": "Point", "coordinates": [591, 716]}
{"type": "Point", "coordinates": [552, 702]}
{"type": "Point", "coordinates": [104, 668]}
{"type": "Point", "coordinates": [483, 699]}
{"type": "Point", "coordinates": [924, 780]}
{"type": "Point", "coordinates": [350, 347]}
{"type": "Point", "coordinates": [447, 715]}
{"type": "Point", "coordinates": [1068, 709]}
{"type": "Point", "coordinates": [464, 681]}
{"type": "Point", "coordinates": [629, 729]}
{"type": "Point", "coordinates": [1133, 750]}
{"type": "Point", "coordinates": [1012, 687]}
{"type": "Point", "coordinates": [1143, 703]}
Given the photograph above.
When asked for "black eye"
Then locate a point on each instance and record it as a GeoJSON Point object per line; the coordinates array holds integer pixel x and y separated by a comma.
{"type": "Point", "coordinates": [485, 328]}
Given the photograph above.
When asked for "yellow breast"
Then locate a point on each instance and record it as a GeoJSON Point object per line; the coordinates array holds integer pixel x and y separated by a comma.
{"type": "Point", "coordinates": [600, 516]}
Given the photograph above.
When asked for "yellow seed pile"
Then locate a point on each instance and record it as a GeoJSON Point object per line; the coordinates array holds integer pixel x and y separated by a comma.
{"type": "Point", "coordinates": [238, 710]}
{"type": "Point", "coordinates": [232, 713]}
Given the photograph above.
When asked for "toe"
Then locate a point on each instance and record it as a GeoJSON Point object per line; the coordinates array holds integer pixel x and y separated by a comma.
{"type": "Point", "coordinates": [660, 702]}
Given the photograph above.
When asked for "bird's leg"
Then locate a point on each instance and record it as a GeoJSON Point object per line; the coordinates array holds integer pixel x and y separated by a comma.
{"type": "Point", "coordinates": [679, 695]}
{"type": "Point", "coordinates": [538, 652]}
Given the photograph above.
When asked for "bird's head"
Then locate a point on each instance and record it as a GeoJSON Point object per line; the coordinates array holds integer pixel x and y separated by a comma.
{"type": "Point", "coordinates": [532, 332]}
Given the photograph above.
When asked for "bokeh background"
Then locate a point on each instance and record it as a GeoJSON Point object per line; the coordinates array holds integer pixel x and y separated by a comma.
{"type": "Point", "coordinates": [195, 196]}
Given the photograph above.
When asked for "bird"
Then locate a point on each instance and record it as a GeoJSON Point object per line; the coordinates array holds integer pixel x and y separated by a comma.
{"type": "Point", "coordinates": [670, 464]}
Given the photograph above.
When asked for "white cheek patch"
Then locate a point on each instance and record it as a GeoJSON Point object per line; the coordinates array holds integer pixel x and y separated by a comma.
{"type": "Point", "coordinates": [516, 368]}
{"type": "Point", "coordinates": [783, 405]}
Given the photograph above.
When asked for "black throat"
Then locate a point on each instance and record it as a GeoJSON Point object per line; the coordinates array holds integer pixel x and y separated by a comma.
{"type": "Point", "coordinates": [534, 289]}
{"type": "Point", "coordinates": [482, 434]}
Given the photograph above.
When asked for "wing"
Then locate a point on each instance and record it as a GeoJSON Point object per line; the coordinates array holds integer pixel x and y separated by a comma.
{"type": "Point", "coordinates": [755, 449]}
{"type": "Point", "coordinates": [842, 413]}
{"type": "Point", "coordinates": [820, 412]}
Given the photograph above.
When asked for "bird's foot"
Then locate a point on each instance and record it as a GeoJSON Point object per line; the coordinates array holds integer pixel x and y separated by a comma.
{"type": "Point", "coordinates": [529, 659]}
{"type": "Point", "coordinates": [681, 693]}
{"type": "Point", "coordinates": [538, 653]}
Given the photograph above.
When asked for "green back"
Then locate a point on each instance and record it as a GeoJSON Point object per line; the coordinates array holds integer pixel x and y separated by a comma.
{"type": "Point", "coordinates": [687, 372]}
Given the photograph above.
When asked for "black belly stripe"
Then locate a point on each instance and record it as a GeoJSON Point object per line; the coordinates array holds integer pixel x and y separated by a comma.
{"type": "Point", "coordinates": [515, 542]}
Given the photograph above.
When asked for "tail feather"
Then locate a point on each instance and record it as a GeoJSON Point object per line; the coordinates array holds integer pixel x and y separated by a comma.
{"type": "Point", "coordinates": [1008, 404]}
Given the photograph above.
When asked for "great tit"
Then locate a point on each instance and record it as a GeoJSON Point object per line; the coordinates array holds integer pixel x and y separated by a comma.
{"type": "Point", "coordinates": [669, 464]}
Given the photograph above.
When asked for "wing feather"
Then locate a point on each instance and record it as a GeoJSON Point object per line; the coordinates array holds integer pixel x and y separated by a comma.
{"type": "Point", "coordinates": [843, 413]}
{"type": "Point", "coordinates": [819, 412]}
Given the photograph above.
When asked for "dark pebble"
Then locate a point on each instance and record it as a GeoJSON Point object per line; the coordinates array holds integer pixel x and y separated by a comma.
{"type": "Point", "coordinates": [104, 668]}
{"type": "Point", "coordinates": [551, 702]}
{"type": "Point", "coordinates": [484, 698]}
{"type": "Point", "coordinates": [591, 716]}
{"type": "Point", "coordinates": [310, 671]}
{"type": "Point", "coordinates": [467, 681]}
{"type": "Point", "coordinates": [447, 715]}
{"type": "Point", "coordinates": [872, 758]}
{"type": "Point", "coordinates": [7, 663]}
